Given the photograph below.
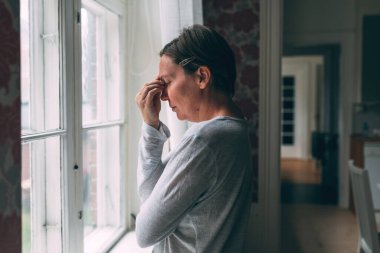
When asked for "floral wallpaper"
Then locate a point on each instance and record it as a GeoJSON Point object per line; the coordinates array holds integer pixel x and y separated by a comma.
{"type": "Point", "coordinates": [10, 143]}
{"type": "Point", "coordinates": [238, 22]}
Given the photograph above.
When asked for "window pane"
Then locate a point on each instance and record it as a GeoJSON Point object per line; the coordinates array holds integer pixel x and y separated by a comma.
{"type": "Point", "coordinates": [40, 101]}
{"type": "Point", "coordinates": [25, 187]}
{"type": "Point", "coordinates": [41, 196]}
{"type": "Point", "coordinates": [90, 175]}
{"type": "Point", "coordinates": [288, 81]}
{"type": "Point", "coordinates": [287, 140]}
{"type": "Point", "coordinates": [101, 180]}
{"type": "Point", "coordinates": [288, 93]}
{"type": "Point", "coordinates": [288, 105]}
{"type": "Point", "coordinates": [289, 128]}
{"type": "Point", "coordinates": [100, 64]}
{"type": "Point", "coordinates": [25, 66]}
{"type": "Point", "coordinates": [287, 116]}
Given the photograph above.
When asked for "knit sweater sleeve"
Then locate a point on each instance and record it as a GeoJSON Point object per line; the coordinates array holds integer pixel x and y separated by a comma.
{"type": "Point", "coordinates": [189, 173]}
{"type": "Point", "coordinates": [150, 165]}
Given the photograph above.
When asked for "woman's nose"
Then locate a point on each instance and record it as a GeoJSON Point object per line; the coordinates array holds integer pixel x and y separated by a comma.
{"type": "Point", "coordinates": [164, 94]}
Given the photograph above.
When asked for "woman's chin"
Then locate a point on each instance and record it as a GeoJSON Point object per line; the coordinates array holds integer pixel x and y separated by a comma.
{"type": "Point", "coordinates": [180, 117]}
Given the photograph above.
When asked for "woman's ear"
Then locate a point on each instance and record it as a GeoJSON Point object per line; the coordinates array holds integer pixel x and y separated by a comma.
{"type": "Point", "coordinates": [204, 75]}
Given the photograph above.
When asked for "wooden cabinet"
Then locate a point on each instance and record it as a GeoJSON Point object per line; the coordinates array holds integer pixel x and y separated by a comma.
{"type": "Point", "coordinates": [357, 155]}
{"type": "Point", "coordinates": [357, 148]}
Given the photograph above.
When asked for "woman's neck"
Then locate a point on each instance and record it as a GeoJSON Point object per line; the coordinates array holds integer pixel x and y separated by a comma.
{"type": "Point", "coordinates": [218, 104]}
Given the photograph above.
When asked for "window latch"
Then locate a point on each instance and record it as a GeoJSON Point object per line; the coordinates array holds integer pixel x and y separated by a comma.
{"type": "Point", "coordinates": [78, 17]}
{"type": "Point", "coordinates": [49, 37]}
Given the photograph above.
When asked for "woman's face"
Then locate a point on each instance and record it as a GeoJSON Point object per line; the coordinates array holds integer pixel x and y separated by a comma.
{"type": "Point", "coordinates": [181, 90]}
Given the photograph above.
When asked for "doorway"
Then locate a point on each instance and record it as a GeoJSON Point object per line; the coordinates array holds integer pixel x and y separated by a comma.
{"type": "Point", "coordinates": [309, 149]}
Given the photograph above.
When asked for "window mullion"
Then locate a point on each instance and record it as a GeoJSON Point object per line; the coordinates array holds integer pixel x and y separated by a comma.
{"type": "Point", "coordinates": [72, 152]}
{"type": "Point", "coordinates": [50, 41]}
{"type": "Point", "coordinates": [37, 90]}
{"type": "Point", "coordinates": [38, 198]}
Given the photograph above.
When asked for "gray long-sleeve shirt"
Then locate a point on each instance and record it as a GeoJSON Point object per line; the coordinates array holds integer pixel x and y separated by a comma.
{"type": "Point", "coordinates": [198, 198]}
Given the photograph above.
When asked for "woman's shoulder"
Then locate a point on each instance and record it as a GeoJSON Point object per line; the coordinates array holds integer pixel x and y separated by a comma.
{"type": "Point", "coordinates": [219, 126]}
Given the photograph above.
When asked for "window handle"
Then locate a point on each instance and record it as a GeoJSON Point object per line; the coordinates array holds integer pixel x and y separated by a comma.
{"type": "Point", "coordinates": [49, 37]}
{"type": "Point", "coordinates": [78, 17]}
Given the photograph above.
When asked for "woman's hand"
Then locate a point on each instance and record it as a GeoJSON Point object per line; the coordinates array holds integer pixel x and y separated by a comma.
{"type": "Point", "coordinates": [148, 101]}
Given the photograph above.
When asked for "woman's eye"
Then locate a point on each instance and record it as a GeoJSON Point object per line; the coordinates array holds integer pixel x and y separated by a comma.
{"type": "Point", "coordinates": [164, 82]}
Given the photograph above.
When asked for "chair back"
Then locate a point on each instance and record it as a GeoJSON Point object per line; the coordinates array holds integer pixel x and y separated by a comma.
{"type": "Point", "coordinates": [365, 214]}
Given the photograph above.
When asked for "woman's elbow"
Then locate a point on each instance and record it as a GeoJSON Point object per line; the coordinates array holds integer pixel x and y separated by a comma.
{"type": "Point", "coordinates": [143, 241]}
{"type": "Point", "coordinates": [144, 235]}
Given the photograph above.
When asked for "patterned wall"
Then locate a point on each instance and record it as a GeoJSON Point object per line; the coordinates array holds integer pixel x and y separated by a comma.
{"type": "Point", "coordinates": [238, 22]}
{"type": "Point", "coordinates": [10, 146]}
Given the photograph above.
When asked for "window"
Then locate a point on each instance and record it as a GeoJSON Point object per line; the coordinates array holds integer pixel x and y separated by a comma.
{"type": "Point", "coordinates": [287, 120]}
{"type": "Point", "coordinates": [102, 124]}
{"type": "Point", "coordinates": [41, 128]}
{"type": "Point", "coordinates": [73, 127]}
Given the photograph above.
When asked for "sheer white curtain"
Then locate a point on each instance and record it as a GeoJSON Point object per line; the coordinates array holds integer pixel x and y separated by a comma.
{"type": "Point", "coordinates": [174, 15]}
{"type": "Point", "coordinates": [148, 30]}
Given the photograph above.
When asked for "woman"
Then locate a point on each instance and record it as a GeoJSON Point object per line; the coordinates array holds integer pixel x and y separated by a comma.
{"type": "Point", "coordinates": [197, 199]}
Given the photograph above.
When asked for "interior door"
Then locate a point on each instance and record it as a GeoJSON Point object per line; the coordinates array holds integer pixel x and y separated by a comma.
{"type": "Point", "coordinates": [327, 127]}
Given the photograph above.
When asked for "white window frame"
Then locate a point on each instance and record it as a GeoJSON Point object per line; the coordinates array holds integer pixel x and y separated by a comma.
{"type": "Point", "coordinates": [45, 208]}
{"type": "Point", "coordinates": [95, 242]}
{"type": "Point", "coordinates": [67, 212]}
{"type": "Point", "coordinates": [74, 45]}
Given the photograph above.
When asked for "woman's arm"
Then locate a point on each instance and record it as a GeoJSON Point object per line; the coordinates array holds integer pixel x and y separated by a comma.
{"type": "Point", "coordinates": [150, 165]}
{"type": "Point", "coordinates": [187, 176]}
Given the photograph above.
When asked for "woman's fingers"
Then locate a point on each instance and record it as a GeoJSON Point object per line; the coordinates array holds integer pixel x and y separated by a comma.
{"type": "Point", "coordinates": [150, 88]}
{"type": "Point", "coordinates": [142, 94]}
{"type": "Point", "coordinates": [147, 98]}
{"type": "Point", "coordinates": [150, 95]}
{"type": "Point", "coordinates": [154, 84]}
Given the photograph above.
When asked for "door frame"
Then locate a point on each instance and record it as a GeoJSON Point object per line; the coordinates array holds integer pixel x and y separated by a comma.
{"type": "Point", "coordinates": [267, 216]}
{"type": "Point", "coordinates": [347, 74]}
{"type": "Point", "coordinates": [306, 118]}
{"type": "Point", "coordinates": [330, 111]}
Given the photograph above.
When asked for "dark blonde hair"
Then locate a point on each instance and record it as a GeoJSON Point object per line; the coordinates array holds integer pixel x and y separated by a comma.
{"type": "Point", "coordinates": [199, 45]}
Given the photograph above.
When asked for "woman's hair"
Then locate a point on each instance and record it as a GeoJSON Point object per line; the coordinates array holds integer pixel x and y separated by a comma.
{"type": "Point", "coordinates": [199, 45]}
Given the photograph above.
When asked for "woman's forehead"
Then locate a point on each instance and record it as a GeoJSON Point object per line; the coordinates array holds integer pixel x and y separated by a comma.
{"type": "Point", "coordinates": [167, 68]}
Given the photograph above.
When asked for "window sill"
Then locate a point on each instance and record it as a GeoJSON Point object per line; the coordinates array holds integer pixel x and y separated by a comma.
{"type": "Point", "coordinates": [101, 239]}
{"type": "Point", "coordinates": [128, 244]}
